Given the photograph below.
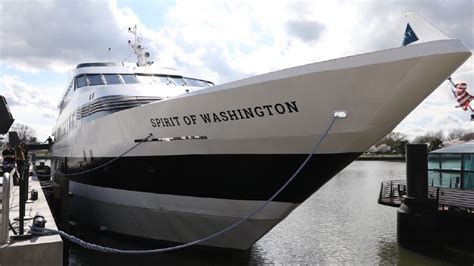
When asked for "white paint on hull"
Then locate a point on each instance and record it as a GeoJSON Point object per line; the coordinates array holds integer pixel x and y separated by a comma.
{"type": "Point", "coordinates": [174, 218]}
{"type": "Point", "coordinates": [377, 90]}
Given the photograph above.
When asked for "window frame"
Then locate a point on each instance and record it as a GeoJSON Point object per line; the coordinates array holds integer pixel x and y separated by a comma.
{"type": "Point", "coordinates": [76, 83]}
{"type": "Point", "coordinates": [119, 79]}
{"type": "Point", "coordinates": [128, 74]}
{"type": "Point", "coordinates": [462, 171]}
{"type": "Point", "coordinates": [95, 74]}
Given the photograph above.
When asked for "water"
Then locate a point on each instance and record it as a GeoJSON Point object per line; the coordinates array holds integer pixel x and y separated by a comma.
{"type": "Point", "coordinates": [341, 223]}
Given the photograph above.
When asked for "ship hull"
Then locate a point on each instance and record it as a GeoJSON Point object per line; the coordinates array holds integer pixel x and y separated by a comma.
{"type": "Point", "coordinates": [229, 148]}
{"type": "Point", "coordinates": [178, 219]}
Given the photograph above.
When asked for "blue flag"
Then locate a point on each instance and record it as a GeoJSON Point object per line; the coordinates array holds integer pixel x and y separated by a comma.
{"type": "Point", "coordinates": [410, 36]}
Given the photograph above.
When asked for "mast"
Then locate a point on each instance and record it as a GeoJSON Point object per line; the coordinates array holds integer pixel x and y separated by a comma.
{"type": "Point", "coordinates": [138, 49]}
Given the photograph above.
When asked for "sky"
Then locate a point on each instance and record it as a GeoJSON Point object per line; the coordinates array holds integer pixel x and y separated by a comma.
{"type": "Point", "coordinates": [222, 41]}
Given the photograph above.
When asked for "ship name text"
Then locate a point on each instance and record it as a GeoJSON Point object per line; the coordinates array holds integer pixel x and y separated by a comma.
{"type": "Point", "coordinates": [226, 115]}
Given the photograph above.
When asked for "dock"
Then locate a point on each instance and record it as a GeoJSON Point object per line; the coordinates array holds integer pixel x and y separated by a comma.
{"type": "Point", "coordinates": [436, 200]}
{"type": "Point", "coordinates": [28, 249]}
{"type": "Point", "coordinates": [393, 191]}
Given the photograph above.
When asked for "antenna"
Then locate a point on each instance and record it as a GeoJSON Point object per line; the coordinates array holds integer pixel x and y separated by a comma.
{"type": "Point", "coordinates": [139, 50]}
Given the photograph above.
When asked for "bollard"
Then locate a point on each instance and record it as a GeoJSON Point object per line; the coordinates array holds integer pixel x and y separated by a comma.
{"type": "Point", "coordinates": [34, 195]}
{"type": "Point", "coordinates": [417, 218]}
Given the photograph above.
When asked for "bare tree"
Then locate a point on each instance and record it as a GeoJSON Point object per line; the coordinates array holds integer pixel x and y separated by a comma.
{"type": "Point", "coordinates": [468, 136]}
{"type": "Point", "coordinates": [25, 132]}
{"type": "Point", "coordinates": [396, 141]}
{"type": "Point", "coordinates": [391, 138]}
{"type": "Point", "coordinates": [434, 139]}
{"type": "Point", "coordinates": [456, 134]}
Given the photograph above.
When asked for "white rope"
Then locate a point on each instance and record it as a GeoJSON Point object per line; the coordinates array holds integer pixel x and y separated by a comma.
{"type": "Point", "coordinates": [44, 231]}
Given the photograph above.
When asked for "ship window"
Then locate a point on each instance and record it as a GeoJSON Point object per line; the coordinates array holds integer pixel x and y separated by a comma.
{"type": "Point", "coordinates": [81, 81]}
{"type": "Point", "coordinates": [178, 81]}
{"type": "Point", "coordinates": [129, 79]}
{"type": "Point", "coordinates": [192, 82]}
{"type": "Point", "coordinates": [70, 87]}
{"type": "Point", "coordinates": [112, 79]}
{"type": "Point", "coordinates": [205, 83]}
{"type": "Point", "coordinates": [95, 79]}
{"type": "Point", "coordinates": [165, 80]}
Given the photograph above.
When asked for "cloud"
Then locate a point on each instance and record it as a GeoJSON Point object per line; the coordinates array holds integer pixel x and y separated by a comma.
{"type": "Point", "coordinates": [383, 19]}
{"type": "Point", "coordinates": [436, 113]}
{"type": "Point", "coordinates": [225, 40]}
{"type": "Point", "coordinates": [40, 131]}
{"type": "Point", "coordinates": [216, 40]}
{"type": "Point", "coordinates": [307, 31]}
{"type": "Point", "coordinates": [18, 93]}
{"type": "Point", "coordinates": [56, 35]}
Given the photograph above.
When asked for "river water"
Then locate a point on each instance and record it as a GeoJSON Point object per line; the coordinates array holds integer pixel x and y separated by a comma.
{"type": "Point", "coordinates": [341, 223]}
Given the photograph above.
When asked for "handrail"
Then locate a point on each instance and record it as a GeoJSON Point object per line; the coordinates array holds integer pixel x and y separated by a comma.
{"type": "Point", "coordinates": [392, 191]}
{"type": "Point", "coordinates": [392, 188]}
{"type": "Point", "coordinates": [4, 226]}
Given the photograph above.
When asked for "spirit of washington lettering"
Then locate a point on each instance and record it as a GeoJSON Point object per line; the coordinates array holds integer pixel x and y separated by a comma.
{"type": "Point", "coordinates": [227, 115]}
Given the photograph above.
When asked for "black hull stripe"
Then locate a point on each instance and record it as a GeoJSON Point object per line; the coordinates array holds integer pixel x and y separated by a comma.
{"type": "Point", "coordinates": [236, 176]}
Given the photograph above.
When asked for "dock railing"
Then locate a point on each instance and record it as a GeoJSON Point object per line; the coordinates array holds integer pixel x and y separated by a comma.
{"type": "Point", "coordinates": [5, 207]}
{"type": "Point", "coordinates": [461, 198]}
{"type": "Point", "coordinates": [392, 191]}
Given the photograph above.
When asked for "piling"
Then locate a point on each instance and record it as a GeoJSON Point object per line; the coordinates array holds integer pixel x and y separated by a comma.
{"type": "Point", "coordinates": [417, 219]}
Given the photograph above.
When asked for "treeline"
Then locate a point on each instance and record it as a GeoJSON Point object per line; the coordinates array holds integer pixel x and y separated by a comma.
{"type": "Point", "coordinates": [395, 142]}
{"type": "Point", "coordinates": [25, 133]}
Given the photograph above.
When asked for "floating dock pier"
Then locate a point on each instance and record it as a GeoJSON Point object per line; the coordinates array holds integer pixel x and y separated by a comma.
{"type": "Point", "coordinates": [26, 249]}
{"type": "Point", "coordinates": [392, 192]}
{"type": "Point", "coordinates": [436, 201]}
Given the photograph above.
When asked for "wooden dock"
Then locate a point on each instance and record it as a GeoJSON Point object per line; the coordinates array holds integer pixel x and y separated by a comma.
{"type": "Point", "coordinates": [392, 192]}
{"type": "Point", "coordinates": [31, 250]}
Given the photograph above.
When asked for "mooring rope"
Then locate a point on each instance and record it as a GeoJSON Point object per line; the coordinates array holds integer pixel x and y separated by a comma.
{"type": "Point", "coordinates": [39, 230]}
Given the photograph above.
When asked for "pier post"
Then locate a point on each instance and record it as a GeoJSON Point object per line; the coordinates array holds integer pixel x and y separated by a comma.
{"type": "Point", "coordinates": [417, 171]}
{"type": "Point", "coordinates": [417, 219]}
{"type": "Point", "coordinates": [22, 202]}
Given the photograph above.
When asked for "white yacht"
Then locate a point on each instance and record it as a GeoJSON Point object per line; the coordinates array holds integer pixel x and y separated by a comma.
{"type": "Point", "coordinates": [210, 154]}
